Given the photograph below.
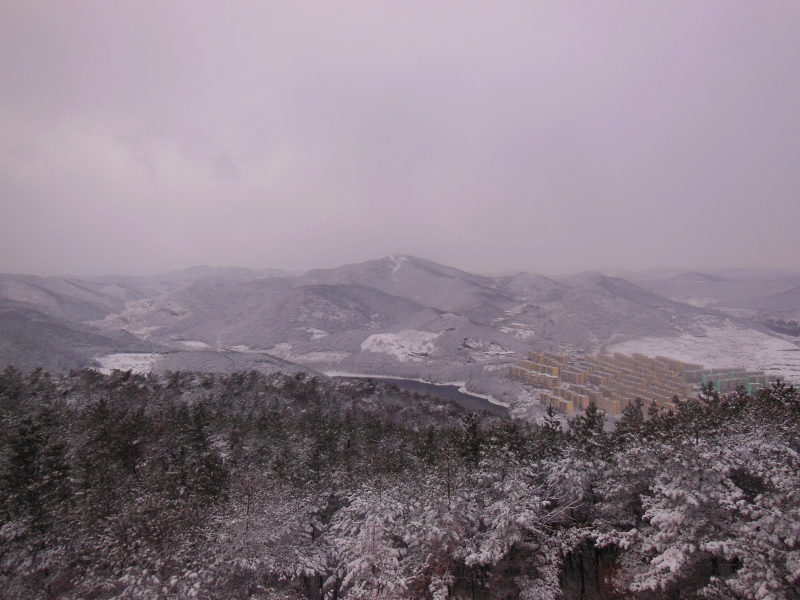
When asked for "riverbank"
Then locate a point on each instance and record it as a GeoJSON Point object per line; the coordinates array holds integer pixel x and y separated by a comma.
{"type": "Point", "coordinates": [455, 391]}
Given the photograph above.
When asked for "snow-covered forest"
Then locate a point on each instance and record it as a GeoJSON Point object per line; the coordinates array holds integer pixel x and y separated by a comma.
{"type": "Point", "coordinates": [254, 486]}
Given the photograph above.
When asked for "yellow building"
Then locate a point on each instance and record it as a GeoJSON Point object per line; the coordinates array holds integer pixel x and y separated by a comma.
{"type": "Point", "coordinates": [613, 382]}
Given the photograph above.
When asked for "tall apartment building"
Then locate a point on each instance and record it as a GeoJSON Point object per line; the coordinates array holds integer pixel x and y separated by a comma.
{"type": "Point", "coordinates": [613, 382]}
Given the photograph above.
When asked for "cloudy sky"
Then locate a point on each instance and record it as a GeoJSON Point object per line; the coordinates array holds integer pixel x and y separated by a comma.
{"type": "Point", "coordinates": [139, 137]}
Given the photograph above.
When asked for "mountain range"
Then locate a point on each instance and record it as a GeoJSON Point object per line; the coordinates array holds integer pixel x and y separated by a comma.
{"type": "Point", "coordinates": [399, 316]}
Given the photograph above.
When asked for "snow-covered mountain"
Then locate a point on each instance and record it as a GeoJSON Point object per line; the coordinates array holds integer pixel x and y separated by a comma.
{"type": "Point", "coordinates": [400, 315]}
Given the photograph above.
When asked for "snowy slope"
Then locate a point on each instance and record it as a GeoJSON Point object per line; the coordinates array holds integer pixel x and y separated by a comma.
{"type": "Point", "coordinates": [723, 346]}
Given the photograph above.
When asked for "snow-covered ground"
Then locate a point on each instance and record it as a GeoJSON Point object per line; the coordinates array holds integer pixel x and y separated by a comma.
{"type": "Point", "coordinates": [482, 351]}
{"type": "Point", "coordinates": [406, 345]}
{"type": "Point", "coordinates": [324, 356]}
{"type": "Point", "coordinates": [398, 260]}
{"type": "Point", "coordinates": [194, 345]}
{"type": "Point", "coordinates": [699, 302]}
{"type": "Point", "coordinates": [282, 350]}
{"type": "Point", "coordinates": [722, 347]}
{"type": "Point", "coordinates": [488, 397]}
{"type": "Point", "coordinates": [527, 407]}
{"type": "Point", "coordinates": [497, 367]}
{"type": "Point", "coordinates": [286, 351]}
{"type": "Point", "coordinates": [138, 363]}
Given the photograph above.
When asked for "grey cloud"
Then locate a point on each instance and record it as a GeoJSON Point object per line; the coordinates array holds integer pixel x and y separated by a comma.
{"type": "Point", "coordinates": [225, 168]}
{"type": "Point", "coordinates": [143, 136]}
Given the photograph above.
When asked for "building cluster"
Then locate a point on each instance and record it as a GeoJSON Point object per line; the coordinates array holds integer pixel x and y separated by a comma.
{"type": "Point", "coordinates": [728, 380]}
{"type": "Point", "coordinates": [612, 382]}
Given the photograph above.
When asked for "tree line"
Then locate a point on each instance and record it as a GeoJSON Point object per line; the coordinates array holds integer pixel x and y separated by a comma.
{"type": "Point", "coordinates": [255, 486]}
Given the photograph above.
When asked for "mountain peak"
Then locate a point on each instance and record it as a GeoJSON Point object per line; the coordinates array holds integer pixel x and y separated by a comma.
{"type": "Point", "coordinates": [400, 257]}
{"type": "Point", "coordinates": [398, 260]}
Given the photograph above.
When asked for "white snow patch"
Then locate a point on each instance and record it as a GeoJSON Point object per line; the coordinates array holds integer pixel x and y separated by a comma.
{"type": "Point", "coordinates": [482, 351]}
{"type": "Point", "coordinates": [138, 363]}
{"type": "Point", "coordinates": [488, 397]}
{"type": "Point", "coordinates": [144, 332]}
{"type": "Point", "coordinates": [406, 345]}
{"type": "Point", "coordinates": [248, 350]}
{"type": "Point", "coordinates": [519, 334]}
{"type": "Point", "coordinates": [375, 376]}
{"type": "Point", "coordinates": [317, 334]}
{"type": "Point", "coordinates": [283, 350]}
{"type": "Point", "coordinates": [398, 260]}
{"type": "Point", "coordinates": [332, 356]}
{"type": "Point", "coordinates": [699, 302]}
{"type": "Point", "coordinates": [489, 348]}
{"type": "Point", "coordinates": [194, 345]}
{"type": "Point", "coordinates": [513, 312]}
{"type": "Point", "coordinates": [723, 347]}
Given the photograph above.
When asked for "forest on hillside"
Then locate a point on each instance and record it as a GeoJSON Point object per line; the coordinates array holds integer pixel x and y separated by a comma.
{"type": "Point", "coordinates": [194, 485]}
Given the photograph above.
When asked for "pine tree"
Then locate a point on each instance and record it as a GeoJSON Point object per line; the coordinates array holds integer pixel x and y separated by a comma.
{"type": "Point", "coordinates": [587, 432]}
{"type": "Point", "coordinates": [471, 443]}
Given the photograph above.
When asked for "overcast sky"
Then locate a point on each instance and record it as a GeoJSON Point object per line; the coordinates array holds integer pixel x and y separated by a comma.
{"type": "Point", "coordinates": [139, 137]}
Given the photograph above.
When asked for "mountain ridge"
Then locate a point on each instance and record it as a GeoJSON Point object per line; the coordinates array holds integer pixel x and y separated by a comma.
{"type": "Point", "coordinates": [398, 316]}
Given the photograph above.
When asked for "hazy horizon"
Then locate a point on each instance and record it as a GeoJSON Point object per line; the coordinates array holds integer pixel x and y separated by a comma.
{"type": "Point", "coordinates": [140, 138]}
{"type": "Point", "coordinates": [612, 271]}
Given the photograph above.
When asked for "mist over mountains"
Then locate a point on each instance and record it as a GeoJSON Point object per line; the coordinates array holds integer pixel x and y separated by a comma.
{"type": "Point", "coordinates": [400, 315]}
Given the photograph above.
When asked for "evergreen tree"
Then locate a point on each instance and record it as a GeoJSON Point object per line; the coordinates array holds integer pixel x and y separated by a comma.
{"type": "Point", "coordinates": [472, 440]}
{"type": "Point", "coordinates": [587, 431]}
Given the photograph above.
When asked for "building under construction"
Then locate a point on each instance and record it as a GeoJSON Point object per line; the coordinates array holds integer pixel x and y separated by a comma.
{"type": "Point", "coordinates": [612, 382]}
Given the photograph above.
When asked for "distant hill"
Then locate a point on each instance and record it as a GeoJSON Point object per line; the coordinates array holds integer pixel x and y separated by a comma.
{"type": "Point", "coordinates": [52, 321]}
{"type": "Point", "coordinates": [424, 282]}
{"type": "Point", "coordinates": [785, 302]}
{"type": "Point", "coordinates": [719, 292]}
{"type": "Point", "coordinates": [399, 315]}
{"type": "Point", "coordinates": [192, 273]}
{"type": "Point", "coordinates": [698, 277]}
{"type": "Point", "coordinates": [527, 286]}
{"type": "Point", "coordinates": [646, 274]}
{"type": "Point", "coordinates": [30, 339]}
{"type": "Point", "coordinates": [402, 315]}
